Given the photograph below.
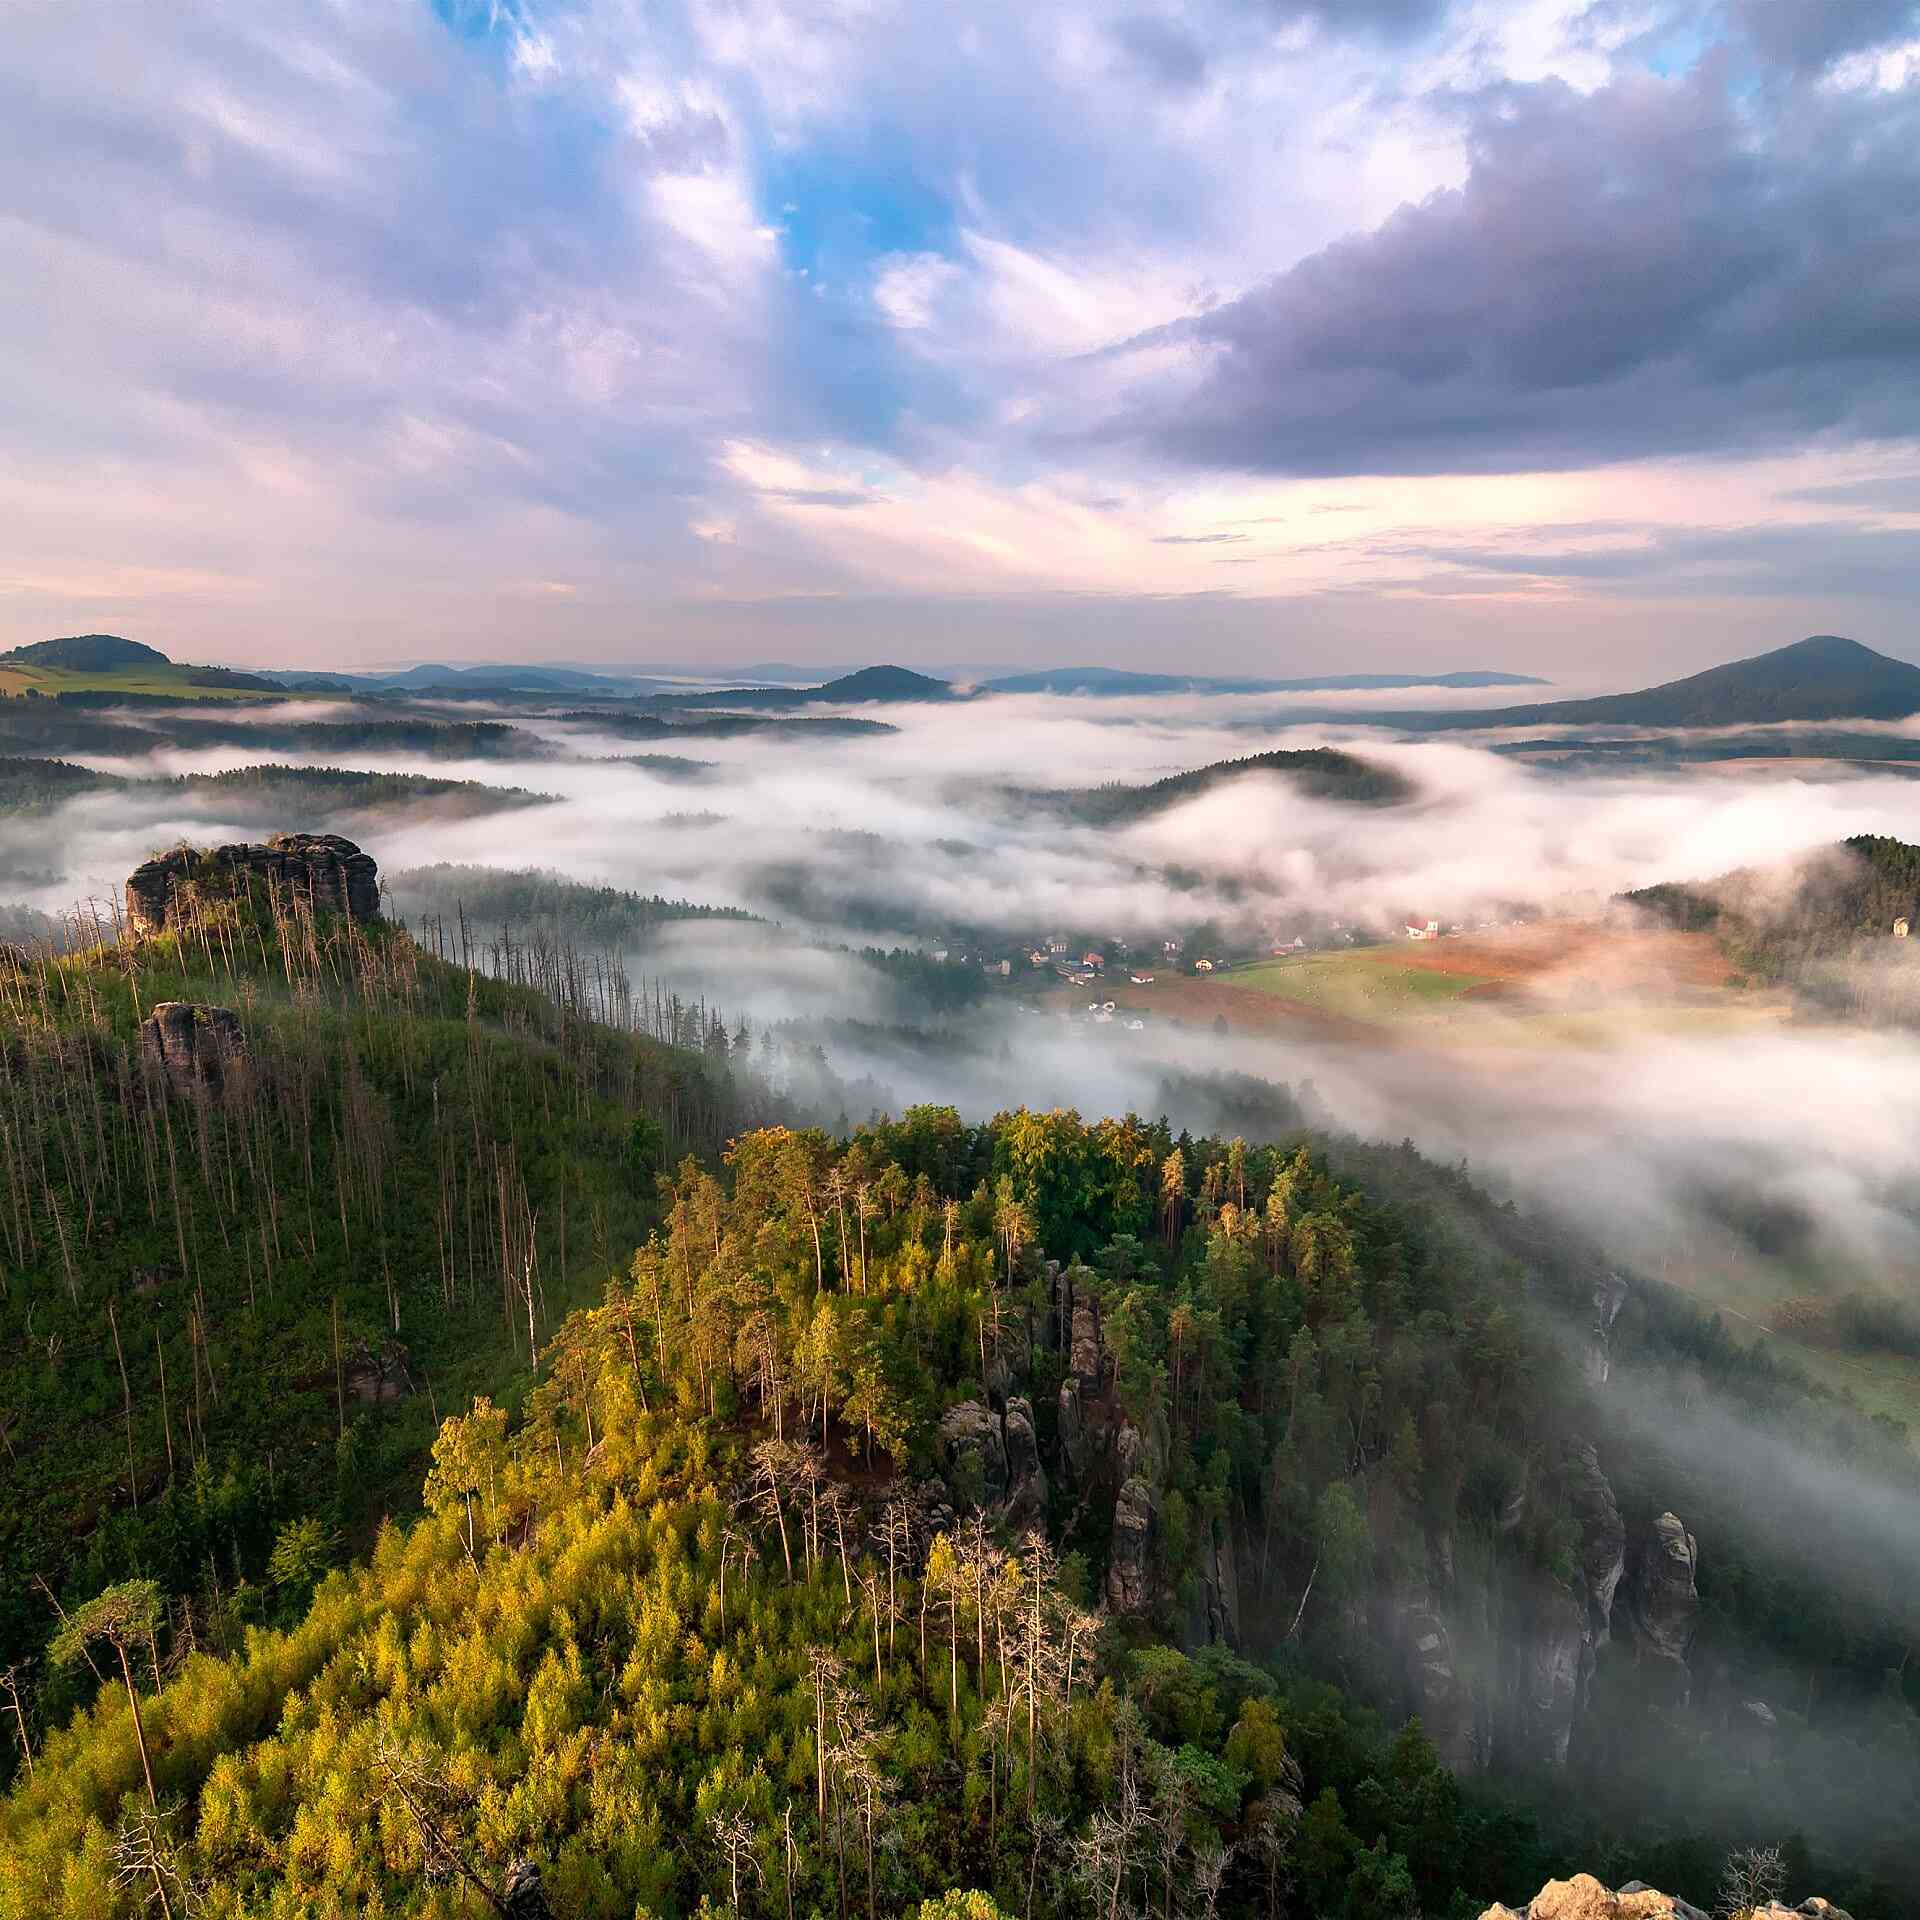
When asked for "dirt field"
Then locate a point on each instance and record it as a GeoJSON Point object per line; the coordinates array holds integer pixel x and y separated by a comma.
{"type": "Point", "coordinates": [1572, 981]}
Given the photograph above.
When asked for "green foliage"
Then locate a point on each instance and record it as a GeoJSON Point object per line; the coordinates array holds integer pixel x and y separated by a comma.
{"type": "Point", "coordinates": [123, 1616]}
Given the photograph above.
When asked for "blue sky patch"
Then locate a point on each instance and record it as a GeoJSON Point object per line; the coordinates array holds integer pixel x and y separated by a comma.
{"type": "Point", "coordinates": [837, 214]}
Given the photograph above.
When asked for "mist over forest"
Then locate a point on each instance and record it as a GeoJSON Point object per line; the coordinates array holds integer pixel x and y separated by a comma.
{"type": "Point", "coordinates": [1405, 1233]}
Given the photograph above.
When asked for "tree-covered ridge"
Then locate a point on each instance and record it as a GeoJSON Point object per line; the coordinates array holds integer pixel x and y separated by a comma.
{"type": "Point", "coordinates": [267, 791]}
{"type": "Point", "coordinates": [664, 1639]}
{"type": "Point", "coordinates": [88, 653]}
{"type": "Point", "coordinates": [1321, 773]}
{"type": "Point", "coordinates": [1827, 929]}
{"type": "Point", "coordinates": [528, 898]}
{"type": "Point", "coordinates": [33, 785]}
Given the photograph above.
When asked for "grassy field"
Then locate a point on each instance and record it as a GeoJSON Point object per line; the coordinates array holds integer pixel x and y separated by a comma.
{"type": "Point", "coordinates": [1373, 984]}
{"type": "Point", "coordinates": [49, 681]}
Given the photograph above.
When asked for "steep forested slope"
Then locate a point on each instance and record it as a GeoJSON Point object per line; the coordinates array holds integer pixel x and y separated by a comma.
{"type": "Point", "coordinates": [207, 1288]}
{"type": "Point", "coordinates": [849, 1552]}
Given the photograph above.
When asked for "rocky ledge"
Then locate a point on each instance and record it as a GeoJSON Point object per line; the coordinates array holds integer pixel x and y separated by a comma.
{"type": "Point", "coordinates": [1584, 1898]}
{"type": "Point", "coordinates": [322, 869]}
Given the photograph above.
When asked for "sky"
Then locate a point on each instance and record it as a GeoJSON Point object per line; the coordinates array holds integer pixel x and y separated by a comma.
{"type": "Point", "coordinates": [1252, 336]}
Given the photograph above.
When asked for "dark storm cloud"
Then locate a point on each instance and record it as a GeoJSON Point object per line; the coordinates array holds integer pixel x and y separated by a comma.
{"type": "Point", "coordinates": [1808, 35]}
{"type": "Point", "coordinates": [1649, 269]}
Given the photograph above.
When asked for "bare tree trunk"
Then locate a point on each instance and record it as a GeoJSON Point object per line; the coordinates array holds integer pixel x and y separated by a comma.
{"type": "Point", "coordinates": [139, 1730]}
{"type": "Point", "coordinates": [126, 1402]}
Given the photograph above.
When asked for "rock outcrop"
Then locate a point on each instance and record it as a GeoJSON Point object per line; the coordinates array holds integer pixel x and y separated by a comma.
{"type": "Point", "coordinates": [1584, 1898]}
{"type": "Point", "coordinates": [321, 869]}
{"type": "Point", "coordinates": [1551, 1653]}
{"type": "Point", "coordinates": [374, 1376]}
{"type": "Point", "coordinates": [1026, 1477]}
{"type": "Point", "coordinates": [523, 1897]}
{"type": "Point", "coordinates": [197, 1050]}
{"type": "Point", "coordinates": [973, 1455]}
{"type": "Point", "coordinates": [1130, 1561]}
{"type": "Point", "coordinates": [1084, 1357]}
{"type": "Point", "coordinates": [1218, 1621]}
{"type": "Point", "coordinates": [991, 1461]}
{"type": "Point", "coordinates": [1603, 1546]}
{"type": "Point", "coordinates": [1609, 1296]}
{"type": "Point", "coordinates": [1662, 1600]}
{"type": "Point", "coordinates": [1436, 1689]}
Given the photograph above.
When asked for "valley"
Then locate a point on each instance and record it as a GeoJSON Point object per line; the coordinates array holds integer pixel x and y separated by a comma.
{"type": "Point", "coordinates": [907, 1196]}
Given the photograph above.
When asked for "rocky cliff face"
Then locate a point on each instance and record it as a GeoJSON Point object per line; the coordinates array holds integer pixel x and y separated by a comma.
{"type": "Point", "coordinates": [1661, 1600]}
{"type": "Point", "coordinates": [1584, 1898]}
{"type": "Point", "coordinates": [991, 1461]}
{"type": "Point", "coordinates": [322, 869]}
{"type": "Point", "coordinates": [197, 1050]}
{"type": "Point", "coordinates": [1502, 1672]}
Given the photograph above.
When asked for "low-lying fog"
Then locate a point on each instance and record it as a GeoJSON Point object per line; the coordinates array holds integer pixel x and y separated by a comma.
{"type": "Point", "coordinates": [921, 837]}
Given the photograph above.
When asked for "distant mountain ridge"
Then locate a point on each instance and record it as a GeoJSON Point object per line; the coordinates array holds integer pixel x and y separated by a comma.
{"type": "Point", "coordinates": [1120, 680]}
{"type": "Point", "coordinates": [1825, 677]}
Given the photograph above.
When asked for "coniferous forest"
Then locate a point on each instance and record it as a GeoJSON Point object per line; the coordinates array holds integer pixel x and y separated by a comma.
{"type": "Point", "coordinates": [475, 1443]}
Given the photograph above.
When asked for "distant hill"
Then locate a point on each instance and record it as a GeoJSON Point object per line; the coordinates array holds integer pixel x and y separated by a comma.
{"type": "Point", "coordinates": [1827, 926]}
{"type": "Point", "coordinates": [480, 680]}
{"type": "Point", "coordinates": [884, 683]}
{"type": "Point", "coordinates": [876, 685]}
{"type": "Point", "coordinates": [1323, 773]}
{"type": "Point", "coordinates": [88, 653]}
{"type": "Point", "coordinates": [1117, 680]}
{"type": "Point", "coordinates": [1822, 678]}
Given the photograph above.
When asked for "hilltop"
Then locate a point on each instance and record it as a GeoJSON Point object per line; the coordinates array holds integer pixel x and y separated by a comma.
{"type": "Point", "coordinates": [1824, 677]}
{"type": "Point", "coordinates": [107, 669]}
{"type": "Point", "coordinates": [1321, 773]}
{"type": "Point", "coordinates": [89, 653]}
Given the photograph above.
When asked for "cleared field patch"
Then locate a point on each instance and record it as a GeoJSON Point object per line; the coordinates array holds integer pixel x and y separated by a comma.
{"type": "Point", "coordinates": [170, 683]}
{"type": "Point", "coordinates": [1374, 984]}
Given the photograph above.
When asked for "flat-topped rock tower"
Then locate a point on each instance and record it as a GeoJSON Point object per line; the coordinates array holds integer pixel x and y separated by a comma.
{"type": "Point", "coordinates": [329, 873]}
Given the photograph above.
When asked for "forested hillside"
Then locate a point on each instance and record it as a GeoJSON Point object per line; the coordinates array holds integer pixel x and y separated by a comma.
{"type": "Point", "coordinates": [1108, 1519]}
{"type": "Point", "coordinates": [1321, 773]}
{"type": "Point", "coordinates": [1835, 928]}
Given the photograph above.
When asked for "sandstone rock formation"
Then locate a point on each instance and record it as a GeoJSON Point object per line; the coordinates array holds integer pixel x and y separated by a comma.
{"type": "Point", "coordinates": [1436, 1689]}
{"type": "Point", "coordinates": [197, 1050]}
{"type": "Point", "coordinates": [991, 1461]}
{"type": "Point", "coordinates": [1130, 1561]}
{"type": "Point", "coordinates": [523, 1897]}
{"type": "Point", "coordinates": [1608, 1298]}
{"type": "Point", "coordinates": [1218, 1618]}
{"type": "Point", "coordinates": [374, 1376]}
{"type": "Point", "coordinates": [1584, 1898]}
{"type": "Point", "coordinates": [1662, 1600]}
{"type": "Point", "coordinates": [1550, 1654]}
{"type": "Point", "coordinates": [1076, 1446]}
{"type": "Point", "coordinates": [1026, 1477]}
{"type": "Point", "coordinates": [1084, 1357]}
{"type": "Point", "coordinates": [322, 869]}
{"type": "Point", "coordinates": [973, 1455]}
{"type": "Point", "coordinates": [1603, 1545]}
